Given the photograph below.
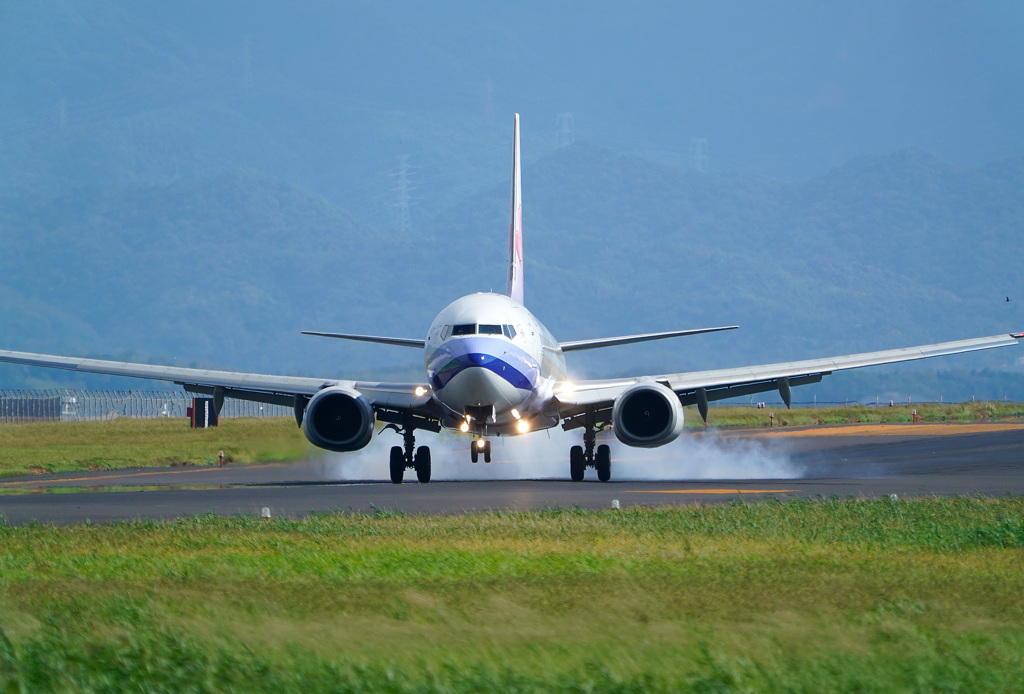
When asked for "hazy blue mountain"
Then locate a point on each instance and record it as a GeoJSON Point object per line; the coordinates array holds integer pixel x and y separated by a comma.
{"type": "Point", "coordinates": [198, 182]}
{"type": "Point", "coordinates": [883, 252]}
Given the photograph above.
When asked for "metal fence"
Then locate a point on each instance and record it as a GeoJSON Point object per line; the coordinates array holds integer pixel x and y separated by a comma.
{"type": "Point", "coordinates": [68, 405]}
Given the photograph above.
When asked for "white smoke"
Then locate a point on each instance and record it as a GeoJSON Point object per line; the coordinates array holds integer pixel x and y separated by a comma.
{"type": "Point", "coordinates": [699, 455]}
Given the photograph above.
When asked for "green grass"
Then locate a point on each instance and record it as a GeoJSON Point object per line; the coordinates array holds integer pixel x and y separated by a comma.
{"type": "Point", "coordinates": [963, 412]}
{"type": "Point", "coordinates": [832, 595]}
{"type": "Point", "coordinates": [60, 446]}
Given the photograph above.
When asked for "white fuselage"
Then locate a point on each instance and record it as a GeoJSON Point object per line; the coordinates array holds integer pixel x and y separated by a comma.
{"type": "Point", "coordinates": [490, 363]}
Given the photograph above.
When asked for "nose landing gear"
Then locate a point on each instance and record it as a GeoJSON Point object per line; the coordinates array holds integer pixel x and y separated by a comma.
{"type": "Point", "coordinates": [478, 448]}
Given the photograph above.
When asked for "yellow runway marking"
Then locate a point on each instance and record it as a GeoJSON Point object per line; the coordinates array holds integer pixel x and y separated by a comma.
{"type": "Point", "coordinates": [117, 476]}
{"type": "Point", "coordinates": [710, 491]}
{"type": "Point", "coordinates": [935, 429]}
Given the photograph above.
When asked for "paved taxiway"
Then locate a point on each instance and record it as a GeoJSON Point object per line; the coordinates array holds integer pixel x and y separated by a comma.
{"type": "Point", "coordinates": [871, 461]}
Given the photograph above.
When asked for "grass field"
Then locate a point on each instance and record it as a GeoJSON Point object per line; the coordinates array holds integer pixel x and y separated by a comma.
{"type": "Point", "coordinates": [866, 596]}
{"type": "Point", "coordinates": [734, 416]}
{"type": "Point", "coordinates": [61, 446]}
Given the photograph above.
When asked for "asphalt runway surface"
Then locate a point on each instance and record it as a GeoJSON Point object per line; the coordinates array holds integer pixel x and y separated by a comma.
{"type": "Point", "coordinates": [857, 461]}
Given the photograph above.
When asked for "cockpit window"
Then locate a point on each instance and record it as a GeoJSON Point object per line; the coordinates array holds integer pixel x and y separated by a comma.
{"type": "Point", "coordinates": [482, 329]}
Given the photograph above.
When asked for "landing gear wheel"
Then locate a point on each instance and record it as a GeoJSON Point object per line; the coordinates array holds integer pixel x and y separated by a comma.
{"type": "Point", "coordinates": [603, 463]}
{"type": "Point", "coordinates": [476, 450]}
{"type": "Point", "coordinates": [577, 465]}
{"type": "Point", "coordinates": [422, 464]}
{"type": "Point", "coordinates": [397, 464]}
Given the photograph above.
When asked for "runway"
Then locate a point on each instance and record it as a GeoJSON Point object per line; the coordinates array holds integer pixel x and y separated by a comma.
{"type": "Point", "coordinates": [860, 461]}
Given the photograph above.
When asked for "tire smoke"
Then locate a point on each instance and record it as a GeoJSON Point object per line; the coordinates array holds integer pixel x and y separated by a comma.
{"type": "Point", "coordinates": [701, 455]}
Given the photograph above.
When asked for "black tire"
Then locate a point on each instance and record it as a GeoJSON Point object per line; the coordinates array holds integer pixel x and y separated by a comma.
{"type": "Point", "coordinates": [423, 464]}
{"type": "Point", "coordinates": [397, 464]}
{"type": "Point", "coordinates": [487, 451]}
{"type": "Point", "coordinates": [603, 463]}
{"type": "Point", "coordinates": [577, 466]}
{"type": "Point", "coordinates": [474, 452]}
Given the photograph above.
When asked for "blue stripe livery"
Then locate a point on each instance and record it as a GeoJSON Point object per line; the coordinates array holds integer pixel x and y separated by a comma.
{"type": "Point", "coordinates": [455, 356]}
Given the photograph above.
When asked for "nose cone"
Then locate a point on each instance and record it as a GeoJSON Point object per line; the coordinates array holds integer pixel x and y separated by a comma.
{"type": "Point", "coordinates": [478, 386]}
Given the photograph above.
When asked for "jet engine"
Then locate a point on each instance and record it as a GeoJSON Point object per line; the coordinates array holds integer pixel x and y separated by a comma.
{"type": "Point", "coordinates": [647, 415]}
{"type": "Point", "coordinates": [338, 419]}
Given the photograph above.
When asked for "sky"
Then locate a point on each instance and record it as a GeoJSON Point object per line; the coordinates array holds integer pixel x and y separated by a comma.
{"type": "Point", "coordinates": [788, 90]}
{"type": "Point", "coordinates": [784, 89]}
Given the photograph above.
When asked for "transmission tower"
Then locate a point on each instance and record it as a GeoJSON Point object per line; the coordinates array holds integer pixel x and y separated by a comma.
{"type": "Point", "coordinates": [565, 134]}
{"type": "Point", "coordinates": [403, 190]}
{"type": "Point", "coordinates": [699, 159]}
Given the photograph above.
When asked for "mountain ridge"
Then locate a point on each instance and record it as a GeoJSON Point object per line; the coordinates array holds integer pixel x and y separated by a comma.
{"type": "Point", "coordinates": [227, 271]}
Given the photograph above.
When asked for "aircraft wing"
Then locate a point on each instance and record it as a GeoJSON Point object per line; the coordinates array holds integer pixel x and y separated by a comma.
{"type": "Point", "coordinates": [719, 384]}
{"type": "Point", "coordinates": [277, 390]}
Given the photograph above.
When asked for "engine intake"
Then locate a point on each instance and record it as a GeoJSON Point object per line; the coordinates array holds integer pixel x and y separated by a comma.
{"type": "Point", "coordinates": [338, 420]}
{"type": "Point", "coordinates": [647, 416]}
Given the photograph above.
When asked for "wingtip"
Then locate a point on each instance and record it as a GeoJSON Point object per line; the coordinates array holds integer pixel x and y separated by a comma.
{"type": "Point", "coordinates": [1017, 336]}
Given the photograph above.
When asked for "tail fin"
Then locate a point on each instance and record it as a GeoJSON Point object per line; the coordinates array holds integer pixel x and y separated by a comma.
{"type": "Point", "coordinates": [515, 229]}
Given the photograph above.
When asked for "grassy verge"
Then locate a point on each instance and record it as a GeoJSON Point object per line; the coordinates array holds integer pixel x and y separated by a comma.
{"type": "Point", "coordinates": [746, 416]}
{"type": "Point", "coordinates": [60, 446]}
{"type": "Point", "coordinates": [833, 595]}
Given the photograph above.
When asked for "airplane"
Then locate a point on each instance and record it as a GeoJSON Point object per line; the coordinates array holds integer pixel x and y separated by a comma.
{"type": "Point", "coordinates": [492, 369]}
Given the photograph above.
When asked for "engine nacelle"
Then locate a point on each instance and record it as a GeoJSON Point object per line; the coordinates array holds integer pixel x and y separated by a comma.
{"type": "Point", "coordinates": [338, 420]}
{"type": "Point", "coordinates": [647, 415]}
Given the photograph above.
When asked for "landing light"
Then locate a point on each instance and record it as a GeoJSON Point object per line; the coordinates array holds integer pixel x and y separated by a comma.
{"type": "Point", "coordinates": [480, 443]}
{"type": "Point", "coordinates": [523, 426]}
{"type": "Point", "coordinates": [420, 391]}
{"type": "Point", "coordinates": [515, 413]}
{"type": "Point", "coordinates": [464, 427]}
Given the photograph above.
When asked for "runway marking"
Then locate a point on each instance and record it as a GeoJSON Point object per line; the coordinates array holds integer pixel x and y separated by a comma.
{"type": "Point", "coordinates": [710, 491]}
{"type": "Point", "coordinates": [931, 429]}
{"type": "Point", "coordinates": [108, 477]}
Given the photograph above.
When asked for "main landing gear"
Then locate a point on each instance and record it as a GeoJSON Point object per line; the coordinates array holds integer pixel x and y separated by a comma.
{"type": "Point", "coordinates": [478, 448]}
{"type": "Point", "coordinates": [410, 457]}
{"type": "Point", "coordinates": [582, 457]}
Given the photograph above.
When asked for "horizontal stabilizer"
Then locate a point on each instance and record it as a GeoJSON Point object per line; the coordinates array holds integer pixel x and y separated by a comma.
{"type": "Point", "coordinates": [629, 339]}
{"type": "Point", "coordinates": [399, 341]}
